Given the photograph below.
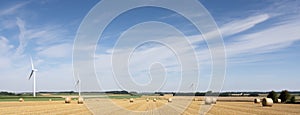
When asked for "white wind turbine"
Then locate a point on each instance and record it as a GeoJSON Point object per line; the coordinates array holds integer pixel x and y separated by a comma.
{"type": "Point", "coordinates": [32, 74]}
{"type": "Point", "coordinates": [78, 85]}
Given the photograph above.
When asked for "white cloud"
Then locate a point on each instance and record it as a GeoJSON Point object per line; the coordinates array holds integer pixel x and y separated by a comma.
{"type": "Point", "coordinates": [237, 26]}
{"type": "Point", "coordinates": [22, 39]}
{"type": "Point", "coordinates": [56, 51]}
{"type": "Point", "coordinates": [45, 44]}
{"type": "Point", "coordinates": [42, 38]}
{"type": "Point", "coordinates": [50, 43]}
{"type": "Point", "coordinates": [5, 52]}
{"type": "Point", "coordinates": [268, 40]}
{"type": "Point", "coordinates": [12, 9]}
{"type": "Point", "coordinates": [5, 46]}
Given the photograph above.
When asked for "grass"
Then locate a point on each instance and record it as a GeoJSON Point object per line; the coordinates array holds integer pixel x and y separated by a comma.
{"type": "Point", "coordinates": [4, 98]}
{"type": "Point", "coordinates": [28, 98]}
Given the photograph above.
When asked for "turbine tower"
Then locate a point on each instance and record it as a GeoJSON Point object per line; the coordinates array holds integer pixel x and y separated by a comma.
{"type": "Point", "coordinates": [78, 85]}
{"type": "Point", "coordinates": [32, 74]}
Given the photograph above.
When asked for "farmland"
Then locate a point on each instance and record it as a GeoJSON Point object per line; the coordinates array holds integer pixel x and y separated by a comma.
{"type": "Point", "coordinates": [42, 107]}
{"type": "Point", "coordinates": [29, 98]}
{"type": "Point", "coordinates": [141, 106]}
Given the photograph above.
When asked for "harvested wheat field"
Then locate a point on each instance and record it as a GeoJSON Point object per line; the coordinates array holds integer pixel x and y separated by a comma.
{"type": "Point", "coordinates": [42, 107]}
{"type": "Point", "coordinates": [185, 106]}
{"type": "Point", "coordinates": [141, 106]}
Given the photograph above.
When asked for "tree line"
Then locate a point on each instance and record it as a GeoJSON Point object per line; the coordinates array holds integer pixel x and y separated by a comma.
{"type": "Point", "coordinates": [284, 96]}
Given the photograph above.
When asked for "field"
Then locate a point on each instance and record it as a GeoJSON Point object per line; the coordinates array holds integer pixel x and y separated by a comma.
{"type": "Point", "coordinates": [29, 98]}
{"type": "Point", "coordinates": [42, 107]}
{"type": "Point", "coordinates": [235, 106]}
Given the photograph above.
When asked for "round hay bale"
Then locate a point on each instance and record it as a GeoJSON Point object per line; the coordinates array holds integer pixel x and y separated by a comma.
{"type": "Point", "coordinates": [194, 99]}
{"type": "Point", "coordinates": [68, 100]}
{"type": "Point", "coordinates": [256, 100]}
{"type": "Point", "coordinates": [154, 100]}
{"type": "Point", "coordinates": [214, 100]}
{"type": "Point", "coordinates": [21, 100]}
{"type": "Point", "coordinates": [147, 99]}
{"type": "Point", "coordinates": [267, 102]}
{"type": "Point", "coordinates": [170, 100]}
{"type": "Point", "coordinates": [131, 100]}
{"type": "Point", "coordinates": [80, 100]}
{"type": "Point", "coordinates": [279, 100]}
{"type": "Point", "coordinates": [208, 101]}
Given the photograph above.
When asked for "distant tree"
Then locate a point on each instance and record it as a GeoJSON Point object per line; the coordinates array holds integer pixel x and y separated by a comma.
{"type": "Point", "coordinates": [209, 93]}
{"type": "Point", "coordinates": [224, 94]}
{"type": "Point", "coordinates": [7, 93]}
{"type": "Point", "coordinates": [273, 96]}
{"type": "Point", "coordinates": [199, 94]}
{"type": "Point", "coordinates": [253, 95]}
{"type": "Point", "coordinates": [284, 96]}
{"type": "Point", "coordinates": [293, 99]}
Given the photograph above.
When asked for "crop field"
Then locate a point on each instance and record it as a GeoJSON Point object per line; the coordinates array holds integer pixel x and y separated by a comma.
{"type": "Point", "coordinates": [29, 98]}
{"type": "Point", "coordinates": [141, 106]}
{"type": "Point", "coordinates": [42, 107]}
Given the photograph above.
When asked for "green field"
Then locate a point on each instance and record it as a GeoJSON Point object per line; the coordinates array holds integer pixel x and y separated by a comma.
{"type": "Point", "coordinates": [5, 98]}
{"type": "Point", "coordinates": [28, 98]}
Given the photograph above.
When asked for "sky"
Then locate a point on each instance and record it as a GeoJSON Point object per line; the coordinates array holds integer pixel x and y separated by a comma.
{"type": "Point", "coordinates": [261, 39]}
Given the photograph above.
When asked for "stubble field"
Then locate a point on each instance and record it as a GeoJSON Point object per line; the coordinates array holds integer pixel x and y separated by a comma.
{"type": "Point", "coordinates": [141, 106]}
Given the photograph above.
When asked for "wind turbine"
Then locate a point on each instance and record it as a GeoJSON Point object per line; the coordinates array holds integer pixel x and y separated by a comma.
{"type": "Point", "coordinates": [32, 74]}
{"type": "Point", "coordinates": [78, 84]}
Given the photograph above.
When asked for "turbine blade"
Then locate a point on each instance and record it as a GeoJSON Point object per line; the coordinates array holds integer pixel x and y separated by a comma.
{"type": "Point", "coordinates": [32, 67]}
{"type": "Point", "coordinates": [31, 74]}
{"type": "Point", "coordinates": [76, 83]}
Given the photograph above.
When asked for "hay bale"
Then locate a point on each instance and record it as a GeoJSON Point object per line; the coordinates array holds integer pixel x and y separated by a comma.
{"type": "Point", "coordinates": [68, 100]}
{"type": "Point", "coordinates": [80, 100]}
{"type": "Point", "coordinates": [154, 100]}
{"type": "Point", "coordinates": [267, 102]}
{"type": "Point", "coordinates": [170, 100]}
{"type": "Point", "coordinates": [147, 99]}
{"type": "Point", "coordinates": [214, 100]}
{"type": "Point", "coordinates": [279, 100]}
{"type": "Point", "coordinates": [21, 100]}
{"type": "Point", "coordinates": [195, 99]}
{"type": "Point", "coordinates": [131, 100]}
{"type": "Point", "coordinates": [256, 100]}
{"type": "Point", "coordinates": [208, 101]}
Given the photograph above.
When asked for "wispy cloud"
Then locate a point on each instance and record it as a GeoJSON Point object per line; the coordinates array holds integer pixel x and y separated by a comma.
{"type": "Point", "coordinates": [5, 52]}
{"type": "Point", "coordinates": [45, 44]}
{"type": "Point", "coordinates": [239, 25]}
{"type": "Point", "coordinates": [243, 48]}
{"type": "Point", "coordinates": [270, 39]}
{"type": "Point", "coordinates": [270, 31]}
{"type": "Point", "coordinates": [43, 37]}
{"type": "Point", "coordinates": [5, 46]}
{"type": "Point", "coordinates": [13, 9]}
{"type": "Point", "coordinates": [22, 39]}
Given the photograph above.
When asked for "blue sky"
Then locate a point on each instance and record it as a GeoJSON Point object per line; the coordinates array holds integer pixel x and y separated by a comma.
{"type": "Point", "coordinates": [261, 37]}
